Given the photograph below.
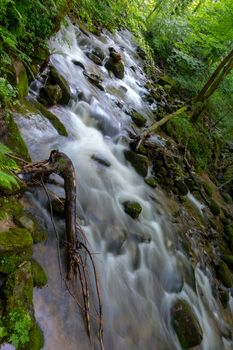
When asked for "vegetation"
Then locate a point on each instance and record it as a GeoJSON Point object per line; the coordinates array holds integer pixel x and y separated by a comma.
{"type": "Point", "coordinates": [7, 166]}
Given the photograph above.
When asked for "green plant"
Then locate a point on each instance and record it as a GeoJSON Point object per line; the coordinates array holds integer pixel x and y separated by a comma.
{"type": "Point", "coordinates": [20, 324]}
{"type": "Point", "coordinates": [7, 166]}
{"type": "Point", "coordinates": [7, 92]}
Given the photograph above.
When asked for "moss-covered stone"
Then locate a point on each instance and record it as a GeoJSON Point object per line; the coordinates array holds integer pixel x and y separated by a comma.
{"type": "Point", "coordinates": [21, 79]}
{"type": "Point", "coordinates": [186, 325]}
{"type": "Point", "coordinates": [55, 78]}
{"type": "Point", "coordinates": [29, 222]}
{"type": "Point", "coordinates": [36, 338]}
{"type": "Point", "coordinates": [117, 68]}
{"type": "Point", "coordinates": [39, 276]}
{"type": "Point", "coordinates": [224, 274]}
{"type": "Point", "coordinates": [14, 138]}
{"type": "Point", "coordinates": [18, 289]}
{"type": "Point", "coordinates": [228, 230]}
{"type": "Point", "coordinates": [133, 209]}
{"type": "Point", "coordinates": [50, 95]}
{"type": "Point", "coordinates": [10, 262]}
{"type": "Point", "coordinates": [51, 117]}
{"type": "Point", "coordinates": [138, 161]}
{"type": "Point", "coordinates": [182, 188]}
{"type": "Point", "coordinates": [227, 197]}
{"type": "Point", "coordinates": [9, 206]}
{"type": "Point", "coordinates": [138, 118]}
{"type": "Point", "coordinates": [151, 181]}
{"type": "Point", "coordinates": [15, 240]}
{"type": "Point", "coordinates": [214, 208]}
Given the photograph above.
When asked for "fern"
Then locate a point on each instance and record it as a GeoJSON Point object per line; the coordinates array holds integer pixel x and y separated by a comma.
{"type": "Point", "coordinates": [7, 166]}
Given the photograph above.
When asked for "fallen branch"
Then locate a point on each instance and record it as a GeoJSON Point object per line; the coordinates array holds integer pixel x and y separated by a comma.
{"type": "Point", "coordinates": [156, 125]}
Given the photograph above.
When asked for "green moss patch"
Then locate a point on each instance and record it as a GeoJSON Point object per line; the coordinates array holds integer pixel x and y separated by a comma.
{"type": "Point", "coordinates": [39, 276]}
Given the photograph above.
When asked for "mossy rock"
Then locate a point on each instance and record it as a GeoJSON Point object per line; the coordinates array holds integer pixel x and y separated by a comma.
{"type": "Point", "coordinates": [182, 188]}
{"type": "Point", "coordinates": [21, 79]}
{"type": "Point", "coordinates": [50, 95]}
{"type": "Point", "coordinates": [138, 118]}
{"type": "Point", "coordinates": [55, 78]}
{"type": "Point", "coordinates": [117, 68]}
{"type": "Point", "coordinates": [18, 289]}
{"type": "Point", "coordinates": [15, 240]}
{"type": "Point", "coordinates": [151, 181]}
{"type": "Point", "coordinates": [224, 274]}
{"type": "Point", "coordinates": [38, 274]}
{"type": "Point", "coordinates": [214, 208]}
{"type": "Point", "coordinates": [133, 209]}
{"type": "Point", "coordinates": [166, 80]}
{"type": "Point", "coordinates": [10, 206]}
{"type": "Point", "coordinates": [227, 197]}
{"type": "Point", "coordinates": [228, 230]}
{"type": "Point", "coordinates": [29, 222]}
{"type": "Point", "coordinates": [228, 259]}
{"type": "Point", "coordinates": [186, 325]}
{"type": "Point", "coordinates": [14, 138]}
{"type": "Point", "coordinates": [10, 262]}
{"type": "Point", "coordinates": [54, 120]}
{"type": "Point", "coordinates": [138, 161]}
{"type": "Point", "coordinates": [36, 338]}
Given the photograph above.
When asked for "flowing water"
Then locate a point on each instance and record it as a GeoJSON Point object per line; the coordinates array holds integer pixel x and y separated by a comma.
{"type": "Point", "coordinates": [141, 272]}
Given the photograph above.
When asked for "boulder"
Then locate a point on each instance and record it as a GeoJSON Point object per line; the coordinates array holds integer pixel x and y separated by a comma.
{"type": "Point", "coordinates": [114, 64]}
{"type": "Point", "coordinates": [138, 118]}
{"type": "Point", "coordinates": [58, 206]}
{"type": "Point", "coordinates": [38, 274]}
{"type": "Point", "coordinates": [15, 240]}
{"type": "Point", "coordinates": [132, 208]}
{"type": "Point", "coordinates": [56, 78]}
{"type": "Point", "coordinates": [79, 64]}
{"type": "Point", "coordinates": [151, 181]}
{"type": "Point", "coordinates": [138, 161]}
{"type": "Point", "coordinates": [50, 95]}
{"type": "Point", "coordinates": [186, 325]}
{"type": "Point", "coordinates": [94, 79]}
{"type": "Point", "coordinates": [94, 58]}
{"type": "Point", "coordinates": [101, 160]}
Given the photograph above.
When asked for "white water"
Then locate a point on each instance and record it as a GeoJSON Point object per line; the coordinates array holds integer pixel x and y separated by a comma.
{"type": "Point", "coordinates": [139, 281]}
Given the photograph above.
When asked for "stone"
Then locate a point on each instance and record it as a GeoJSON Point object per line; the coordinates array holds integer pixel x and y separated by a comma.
{"type": "Point", "coordinates": [24, 222]}
{"type": "Point", "coordinates": [132, 208]}
{"type": "Point", "coordinates": [50, 95]}
{"type": "Point", "coordinates": [138, 161]}
{"type": "Point", "coordinates": [58, 206]}
{"type": "Point", "coordinates": [101, 160]}
{"type": "Point", "coordinates": [138, 119]}
{"type": "Point", "coordinates": [94, 79]}
{"type": "Point", "coordinates": [114, 64]}
{"type": "Point", "coordinates": [186, 325]}
{"type": "Point", "coordinates": [224, 274]}
{"type": "Point", "coordinates": [141, 53]}
{"type": "Point", "coordinates": [56, 78]}
{"type": "Point", "coordinates": [21, 79]}
{"type": "Point", "coordinates": [78, 64]}
{"type": "Point", "coordinates": [15, 240]}
{"type": "Point", "coordinates": [94, 58]}
{"type": "Point", "coordinates": [228, 259]}
{"type": "Point", "coordinates": [38, 274]}
{"type": "Point", "coordinates": [151, 181]}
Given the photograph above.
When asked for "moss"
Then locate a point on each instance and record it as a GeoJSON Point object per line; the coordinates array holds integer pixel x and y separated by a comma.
{"type": "Point", "coordinates": [133, 209]}
{"type": "Point", "coordinates": [36, 338]}
{"type": "Point", "coordinates": [138, 161]}
{"type": "Point", "coordinates": [29, 222]}
{"type": "Point", "coordinates": [227, 198]}
{"type": "Point", "coordinates": [15, 240]}
{"type": "Point", "coordinates": [138, 119]}
{"type": "Point", "coordinates": [14, 138]}
{"type": "Point", "coordinates": [186, 325]}
{"type": "Point", "coordinates": [39, 276]}
{"type": "Point", "coordinates": [224, 274]}
{"type": "Point", "coordinates": [51, 117]}
{"type": "Point", "coordinates": [151, 181]}
{"type": "Point", "coordinates": [10, 262]}
{"type": "Point", "coordinates": [228, 259]}
{"type": "Point", "coordinates": [9, 206]}
{"type": "Point", "coordinates": [22, 85]}
{"type": "Point", "coordinates": [18, 289]}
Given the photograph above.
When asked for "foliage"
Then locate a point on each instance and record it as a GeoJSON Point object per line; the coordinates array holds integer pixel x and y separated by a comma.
{"type": "Point", "coordinates": [20, 324]}
{"type": "Point", "coordinates": [7, 92]}
{"type": "Point", "coordinates": [7, 166]}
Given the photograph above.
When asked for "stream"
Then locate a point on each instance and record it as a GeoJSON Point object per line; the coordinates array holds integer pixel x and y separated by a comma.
{"type": "Point", "coordinates": [140, 268]}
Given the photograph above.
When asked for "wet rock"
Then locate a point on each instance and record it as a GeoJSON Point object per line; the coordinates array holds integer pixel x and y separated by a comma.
{"type": "Point", "coordinates": [182, 188]}
{"type": "Point", "coordinates": [132, 208]}
{"type": "Point", "coordinates": [56, 78]}
{"type": "Point", "coordinates": [78, 64]}
{"type": "Point", "coordinates": [94, 58]}
{"type": "Point", "coordinates": [50, 95]}
{"type": "Point", "coordinates": [214, 208]}
{"type": "Point", "coordinates": [101, 160]}
{"type": "Point", "coordinates": [224, 274]}
{"type": "Point", "coordinates": [15, 240]}
{"type": "Point", "coordinates": [138, 161]}
{"type": "Point", "coordinates": [58, 206]}
{"type": "Point", "coordinates": [186, 325]}
{"type": "Point", "coordinates": [138, 118]}
{"type": "Point", "coordinates": [140, 237]}
{"type": "Point", "coordinates": [223, 294]}
{"type": "Point", "coordinates": [94, 79]}
{"type": "Point", "coordinates": [24, 222]}
{"type": "Point", "coordinates": [151, 181]}
{"type": "Point", "coordinates": [97, 51]}
{"type": "Point", "coordinates": [38, 274]}
{"type": "Point", "coordinates": [114, 64]}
